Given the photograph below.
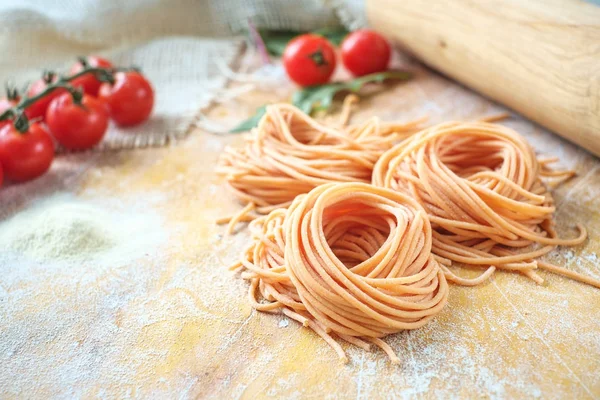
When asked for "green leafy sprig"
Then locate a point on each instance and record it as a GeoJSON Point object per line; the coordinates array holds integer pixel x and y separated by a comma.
{"type": "Point", "coordinates": [320, 98]}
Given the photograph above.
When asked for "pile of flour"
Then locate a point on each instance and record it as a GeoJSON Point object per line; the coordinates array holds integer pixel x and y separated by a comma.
{"type": "Point", "coordinates": [65, 229]}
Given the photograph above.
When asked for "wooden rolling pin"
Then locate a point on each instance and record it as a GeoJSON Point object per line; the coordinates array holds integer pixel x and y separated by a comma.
{"type": "Point", "coordinates": [539, 57]}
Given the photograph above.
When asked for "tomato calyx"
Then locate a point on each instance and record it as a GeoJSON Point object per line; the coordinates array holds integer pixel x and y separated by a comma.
{"type": "Point", "coordinates": [21, 124]}
{"type": "Point", "coordinates": [12, 93]}
{"type": "Point", "coordinates": [318, 57]}
{"type": "Point", "coordinates": [83, 61]}
{"type": "Point", "coordinates": [49, 77]}
{"type": "Point", "coordinates": [77, 95]}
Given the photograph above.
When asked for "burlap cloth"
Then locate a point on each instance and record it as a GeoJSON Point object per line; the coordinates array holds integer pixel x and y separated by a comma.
{"type": "Point", "coordinates": [182, 46]}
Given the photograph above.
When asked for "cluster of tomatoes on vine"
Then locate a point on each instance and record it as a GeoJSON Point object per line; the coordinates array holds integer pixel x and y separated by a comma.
{"type": "Point", "coordinates": [310, 59]}
{"type": "Point", "coordinates": [73, 110]}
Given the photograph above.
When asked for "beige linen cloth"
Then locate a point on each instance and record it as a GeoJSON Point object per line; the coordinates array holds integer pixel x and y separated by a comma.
{"type": "Point", "coordinates": [181, 45]}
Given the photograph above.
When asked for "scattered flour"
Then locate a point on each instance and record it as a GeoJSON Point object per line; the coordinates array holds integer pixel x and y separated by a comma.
{"type": "Point", "coordinates": [593, 258]}
{"type": "Point", "coordinates": [569, 255]}
{"type": "Point", "coordinates": [284, 323]}
{"type": "Point", "coordinates": [584, 262]}
{"type": "Point", "coordinates": [69, 267]}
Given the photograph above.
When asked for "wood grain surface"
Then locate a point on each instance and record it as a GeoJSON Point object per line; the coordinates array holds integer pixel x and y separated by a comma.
{"type": "Point", "coordinates": [172, 322]}
{"type": "Point", "coordinates": [541, 58]}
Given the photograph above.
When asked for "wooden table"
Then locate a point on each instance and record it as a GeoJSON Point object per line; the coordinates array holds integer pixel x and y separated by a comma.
{"type": "Point", "coordinates": [173, 322]}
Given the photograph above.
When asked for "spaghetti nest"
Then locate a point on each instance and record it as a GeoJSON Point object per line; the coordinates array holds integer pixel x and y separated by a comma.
{"type": "Point", "coordinates": [349, 260]}
{"type": "Point", "coordinates": [289, 153]}
{"type": "Point", "coordinates": [481, 185]}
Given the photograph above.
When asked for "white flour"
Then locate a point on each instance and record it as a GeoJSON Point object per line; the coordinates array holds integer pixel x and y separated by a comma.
{"type": "Point", "coordinates": [65, 230]}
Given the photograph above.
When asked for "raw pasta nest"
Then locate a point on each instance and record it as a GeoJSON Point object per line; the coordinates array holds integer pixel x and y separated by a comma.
{"type": "Point", "coordinates": [289, 153]}
{"type": "Point", "coordinates": [347, 259]}
{"type": "Point", "coordinates": [481, 185]}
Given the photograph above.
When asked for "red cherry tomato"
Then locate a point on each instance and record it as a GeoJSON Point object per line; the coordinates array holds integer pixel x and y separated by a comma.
{"type": "Point", "coordinates": [25, 156]}
{"type": "Point", "coordinates": [365, 52]}
{"type": "Point", "coordinates": [1, 174]}
{"type": "Point", "coordinates": [88, 82]}
{"type": "Point", "coordinates": [77, 127]}
{"type": "Point", "coordinates": [38, 109]}
{"type": "Point", "coordinates": [309, 60]}
{"type": "Point", "coordinates": [130, 99]}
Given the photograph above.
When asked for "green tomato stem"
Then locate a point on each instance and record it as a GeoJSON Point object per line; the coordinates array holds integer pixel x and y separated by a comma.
{"type": "Point", "coordinates": [103, 74]}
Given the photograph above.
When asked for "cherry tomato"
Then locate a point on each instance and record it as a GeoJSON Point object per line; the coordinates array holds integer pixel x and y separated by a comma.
{"type": "Point", "coordinates": [130, 99]}
{"type": "Point", "coordinates": [38, 109]}
{"type": "Point", "coordinates": [1, 174]}
{"type": "Point", "coordinates": [365, 52]}
{"type": "Point", "coordinates": [88, 82]}
{"type": "Point", "coordinates": [309, 60]}
{"type": "Point", "coordinates": [77, 127]}
{"type": "Point", "coordinates": [25, 156]}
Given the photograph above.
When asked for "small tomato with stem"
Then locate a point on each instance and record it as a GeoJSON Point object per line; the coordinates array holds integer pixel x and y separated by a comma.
{"type": "Point", "coordinates": [309, 60]}
{"type": "Point", "coordinates": [26, 150]}
{"type": "Point", "coordinates": [77, 125]}
{"type": "Point", "coordinates": [130, 98]}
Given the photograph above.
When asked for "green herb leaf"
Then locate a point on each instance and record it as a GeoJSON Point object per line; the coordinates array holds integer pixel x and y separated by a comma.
{"type": "Point", "coordinates": [250, 122]}
{"type": "Point", "coordinates": [316, 98]}
{"type": "Point", "coordinates": [334, 34]}
{"type": "Point", "coordinates": [276, 41]}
